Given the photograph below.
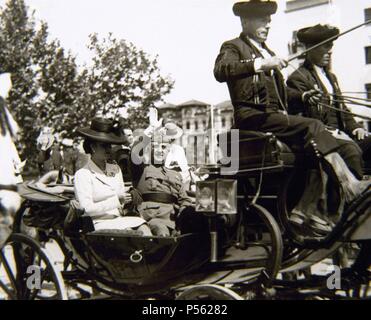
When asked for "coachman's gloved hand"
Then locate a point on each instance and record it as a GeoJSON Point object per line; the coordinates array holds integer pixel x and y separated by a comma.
{"type": "Point", "coordinates": [313, 97]}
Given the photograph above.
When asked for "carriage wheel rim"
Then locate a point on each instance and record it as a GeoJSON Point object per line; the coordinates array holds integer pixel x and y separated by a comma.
{"type": "Point", "coordinates": [54, 274]}
{"type": "Point", "coordinates": [274, 262]}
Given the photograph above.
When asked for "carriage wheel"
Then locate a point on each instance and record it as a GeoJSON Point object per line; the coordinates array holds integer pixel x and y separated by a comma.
{"type": "Point", "coordinates": [208, 292]}
{"type": "Point", "coordinates": [27, 273]}
{"type": "Point", "coordinates": [275, 246]}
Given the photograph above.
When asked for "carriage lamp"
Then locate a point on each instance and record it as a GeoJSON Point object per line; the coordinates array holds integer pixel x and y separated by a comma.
{"type": "Point", "coordinates": [226, 195]}
{"type": "Point", "coordinates": [216, 197]}
{"type": "Point", "coordinates": [205, 197]}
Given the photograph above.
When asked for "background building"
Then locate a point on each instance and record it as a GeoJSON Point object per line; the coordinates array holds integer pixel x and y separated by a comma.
{"type": "Point", "coordinates": [194, 117]}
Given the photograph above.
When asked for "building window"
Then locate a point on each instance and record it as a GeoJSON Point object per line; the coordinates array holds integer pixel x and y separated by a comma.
{"type": "Point", "coordinates": [367, 14]}
{"type": "Point", "coordinates": [231, 121]}
{"type": "Point", "coordinates": [196, 125]}
{"type": "Point", "coordinates": [368, 90]}
{"type": "Point", "coordinates": [188, 125]}
{"type": "Point", "coordinates": [368, 55]}
{"type": "Point", "coordinates": [204, 124]}
{"type": "Point", "coordinates": [294, 5]}
{"type": "Point", "coordinates": [223, 122]}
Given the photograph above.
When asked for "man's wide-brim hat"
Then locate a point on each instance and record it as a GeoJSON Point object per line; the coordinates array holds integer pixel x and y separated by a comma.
{"type": "Point", "coordinates": [168, 133]}
{"type": "Point", "coordinates": [172, 131]}
{"type": "Point", "coordinates": [102, 130]}
{"type": "Point", "coordinates": [317, 34]}
{"type": "Point", "coordinates": [254, 8]}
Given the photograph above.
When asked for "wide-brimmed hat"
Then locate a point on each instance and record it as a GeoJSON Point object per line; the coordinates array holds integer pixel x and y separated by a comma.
{"type": "Point", "coordinates": [102, 130]}
{"type": "Point", "coordinates": [254, 8]}
{"type": "Point", "coordinates": [316, 34]}
{"type": "Point", "coordinates": [172, 131]}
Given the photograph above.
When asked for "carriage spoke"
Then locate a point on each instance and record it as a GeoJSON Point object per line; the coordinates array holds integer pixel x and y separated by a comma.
{"type": "Point", "coordinates": [8, 270]}
{"type": "Point", "coordinates": [9, 292]}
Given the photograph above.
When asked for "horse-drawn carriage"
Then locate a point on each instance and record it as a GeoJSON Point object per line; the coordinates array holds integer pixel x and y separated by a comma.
{"type": "Point", "coordinates": [251, 239]}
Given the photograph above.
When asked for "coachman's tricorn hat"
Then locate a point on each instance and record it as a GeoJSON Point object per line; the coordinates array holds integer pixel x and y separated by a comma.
{"type": "Point", "coordinates": [102, 130]}
{"type": "Point", "coordinates": [316, 34]}
{"type": "Point", "coordinates": [254, 8]}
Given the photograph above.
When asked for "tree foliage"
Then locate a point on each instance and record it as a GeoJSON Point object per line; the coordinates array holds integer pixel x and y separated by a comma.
{"type": "Point", "coordinates": [123, 76]}
{"type": "Point", "coordinates": [51, 89]}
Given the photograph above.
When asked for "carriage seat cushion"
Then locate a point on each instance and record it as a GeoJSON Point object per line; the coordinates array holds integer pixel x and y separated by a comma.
{"type": "Point", "coordinates": [258, 147]}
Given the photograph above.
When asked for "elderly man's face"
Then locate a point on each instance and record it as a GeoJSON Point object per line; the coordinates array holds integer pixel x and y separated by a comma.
{"type": "Point", "coordinates": [160, 152]}
{"type": "Point", "coordinates": [257, 28]}
{"type": "Point", "coordinates": [321, 56]}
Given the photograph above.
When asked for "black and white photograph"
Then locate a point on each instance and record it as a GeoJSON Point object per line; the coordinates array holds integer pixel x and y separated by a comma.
{"type": "Point", "coordinates": [183, 150]}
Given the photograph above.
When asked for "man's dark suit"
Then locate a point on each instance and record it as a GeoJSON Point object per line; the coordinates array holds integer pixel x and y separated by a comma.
{"type": "Point", "coordinates": [305, 79]}
{"type": "Point", "coordinates": [259, 98]}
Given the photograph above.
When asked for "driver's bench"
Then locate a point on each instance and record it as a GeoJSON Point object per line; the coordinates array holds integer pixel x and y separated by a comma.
{"type": "Point", "coordinates": [258, 150]}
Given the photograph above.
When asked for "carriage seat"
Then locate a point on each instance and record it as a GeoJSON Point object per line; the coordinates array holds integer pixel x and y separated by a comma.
{"type": "Point", "coordinates": [256, 148]}
{"type": "Point", "coordinates": [75, 220]}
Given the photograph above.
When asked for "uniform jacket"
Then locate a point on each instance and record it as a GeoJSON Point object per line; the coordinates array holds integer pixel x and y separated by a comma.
{"type": "Point", "coordinates": [249, 90]}
{"type": "Point", "coordinates": [98, 192]}
{"type": "Point", "coordinates": [305, 79]}
{"type": "Point", "coordinates": [158, 179]}
{"type": "Point", "coordinates": [177, 159]}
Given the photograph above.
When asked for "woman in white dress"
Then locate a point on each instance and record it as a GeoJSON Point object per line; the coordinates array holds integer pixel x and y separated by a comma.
{"type": "Point", "coordinates": [99, 186]}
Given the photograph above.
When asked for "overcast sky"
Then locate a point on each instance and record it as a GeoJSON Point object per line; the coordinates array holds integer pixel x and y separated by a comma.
{"type": "Point", "coordinates": [185, 34]}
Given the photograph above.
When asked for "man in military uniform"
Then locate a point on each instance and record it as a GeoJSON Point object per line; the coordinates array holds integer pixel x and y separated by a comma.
{"type": "Point", "coordinates": [166, 205]}
{"type": "Point", "coordinates": [317, 91]}
{"type": "Point", "coordinates": [259, 95]}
